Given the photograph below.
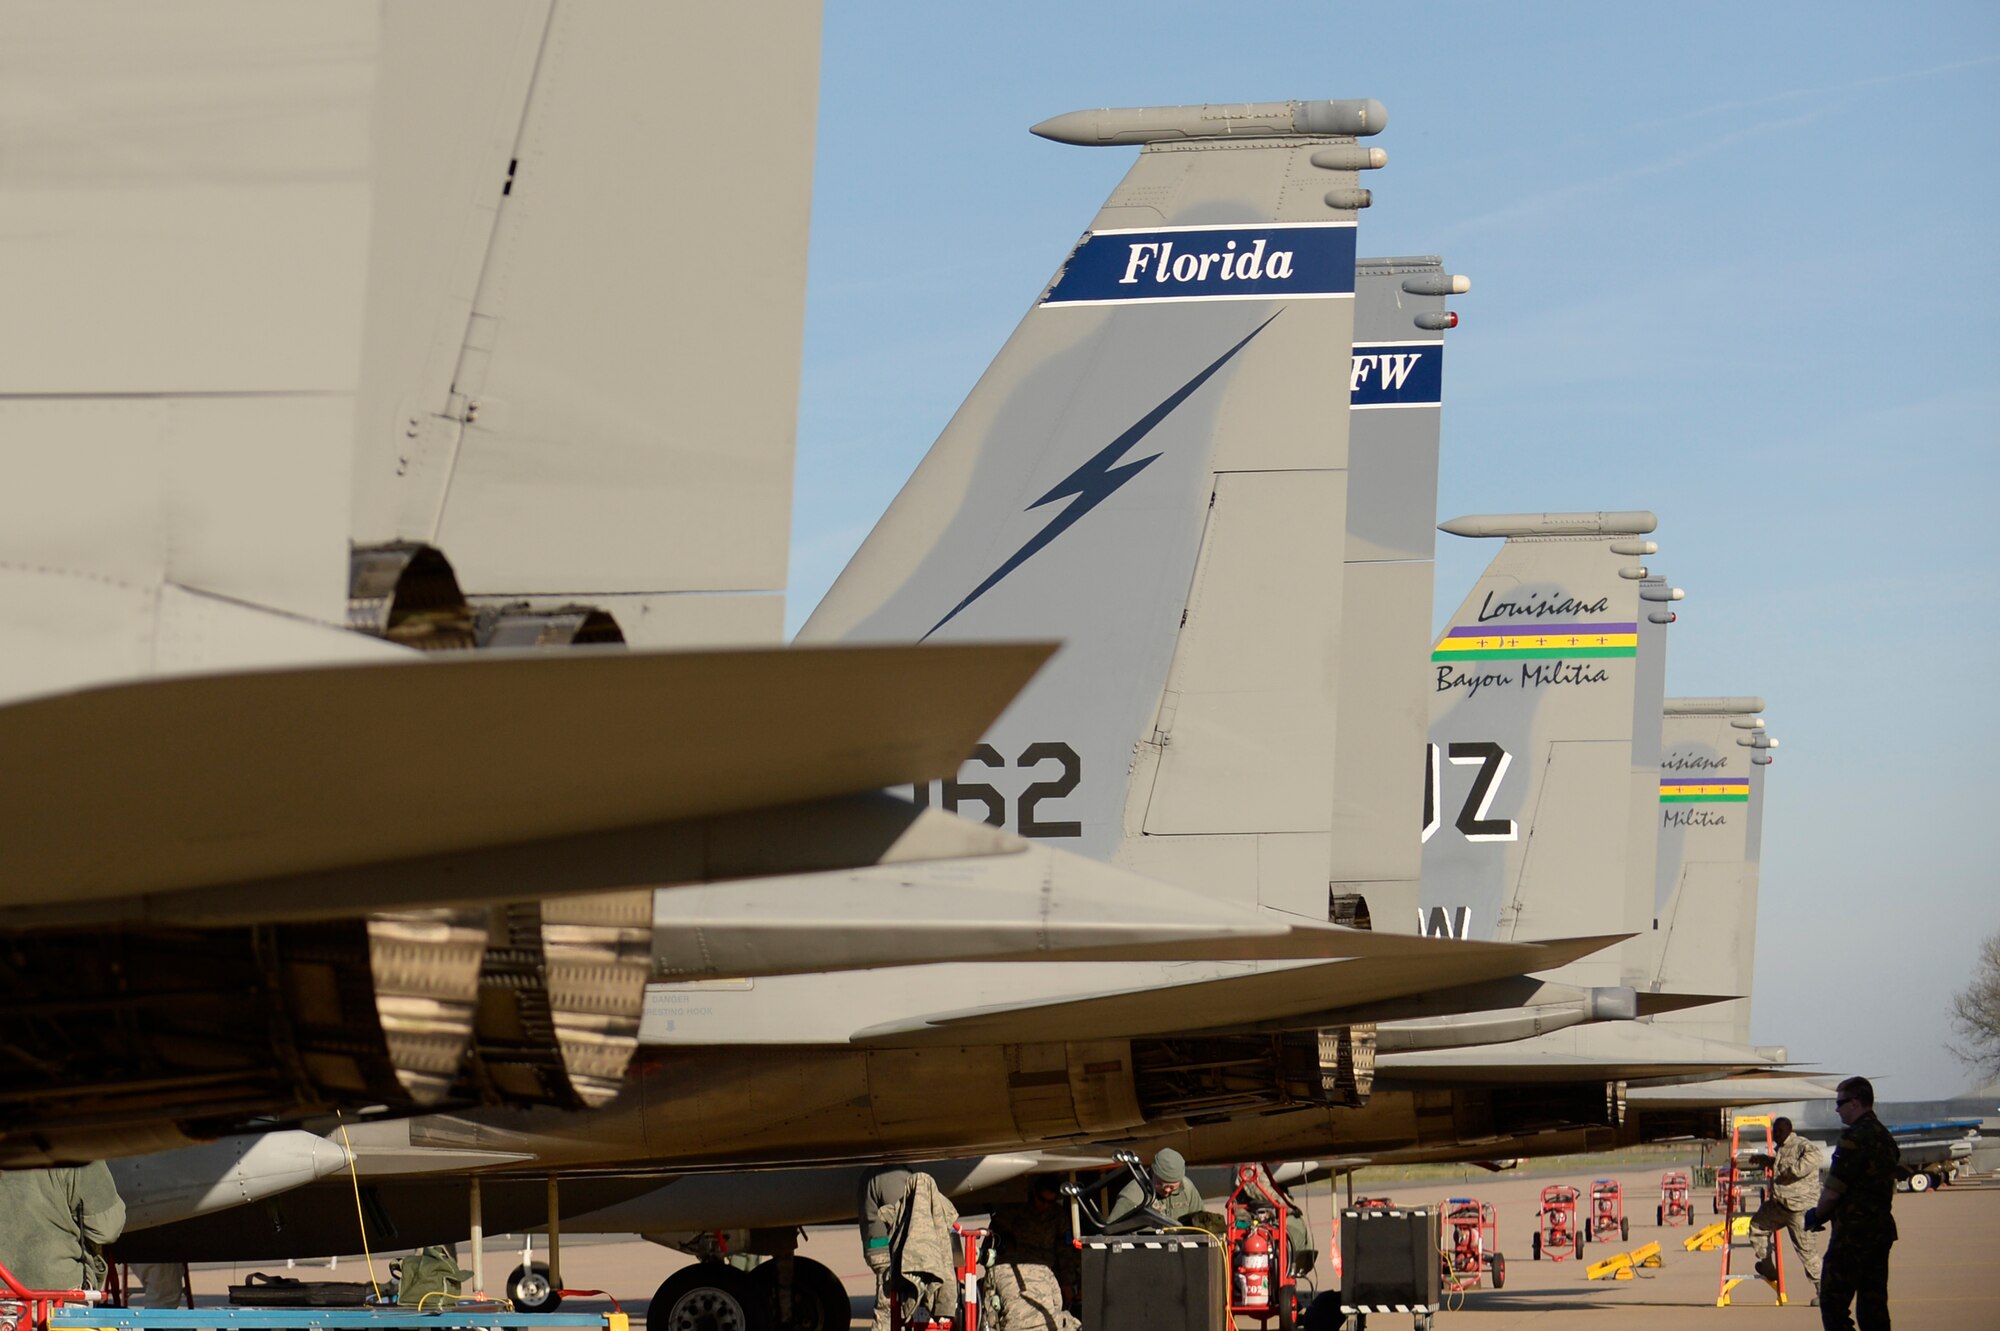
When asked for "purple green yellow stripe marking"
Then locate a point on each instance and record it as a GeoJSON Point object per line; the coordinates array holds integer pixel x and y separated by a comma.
{"type": "Point", "coordinates": [1705, 790]}
{"type": "Point", "coordinates": [1535, 642]}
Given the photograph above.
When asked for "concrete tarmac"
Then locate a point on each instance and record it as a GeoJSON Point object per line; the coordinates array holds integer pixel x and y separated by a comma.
{"type": "Point", "coordinates": [1939, 1273]}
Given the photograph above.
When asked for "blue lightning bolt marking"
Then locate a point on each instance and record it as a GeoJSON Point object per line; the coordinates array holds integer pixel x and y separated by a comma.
{"type": "Point", "coordinates": [1098, 479]}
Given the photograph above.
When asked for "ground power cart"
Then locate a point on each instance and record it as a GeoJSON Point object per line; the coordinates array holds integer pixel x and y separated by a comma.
{"type": "Point", "coordinates": [1676, 1200]}
{"type": "Point", "coordinates": [1556, 1231]}
{"type": "Point", "coordinates": [1472, 1245]}
{"type": "Point", "coordinates": [1607, 1213]}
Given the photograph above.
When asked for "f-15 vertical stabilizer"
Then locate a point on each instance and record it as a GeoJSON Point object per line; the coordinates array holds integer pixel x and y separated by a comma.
{"type": "Point", "coordinates": [1395, 391]}
{"type": "Point", "coordinates": [1155, 470]}
{"type": "Point", "coordinates": [1710, 816]}
{"type": "Point", "coordinates": [1529, 770]}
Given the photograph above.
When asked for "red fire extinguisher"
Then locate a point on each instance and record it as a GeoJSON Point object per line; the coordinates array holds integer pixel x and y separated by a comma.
{"type": "Point", "coordinates": [1253, 1270]}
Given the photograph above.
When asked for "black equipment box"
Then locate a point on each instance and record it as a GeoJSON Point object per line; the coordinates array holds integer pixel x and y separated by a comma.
{"type": "Point", "coordinates": [1154, 1282]}
{"type": "Point", "coordinates": [1389, 1259]}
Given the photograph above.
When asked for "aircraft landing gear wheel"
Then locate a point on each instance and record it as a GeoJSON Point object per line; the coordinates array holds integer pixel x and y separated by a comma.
{"type": "Point", "coordinates": [1499, 1271]}
{"type": "Point", "coordinates": [1920, 1183]}
{"type": "Point", "coordinates": [1535, 1245]}
{"type": "Point", "coordinates": [708, 1296]}
{"type": "Point", "coordinates": [819, 1300]}
{"type": "Point", "coordinates": [530, 1290]}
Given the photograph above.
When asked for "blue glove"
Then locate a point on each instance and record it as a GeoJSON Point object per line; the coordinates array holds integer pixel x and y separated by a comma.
{"type": "Point", "coordinates": [1815, 1222]}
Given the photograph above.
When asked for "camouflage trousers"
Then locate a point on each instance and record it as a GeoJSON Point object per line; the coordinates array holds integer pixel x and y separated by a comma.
{"type": "Point", "coordinates": [1030, 1298]}
{"type": "Point", "coordinates": [1771, 1218]}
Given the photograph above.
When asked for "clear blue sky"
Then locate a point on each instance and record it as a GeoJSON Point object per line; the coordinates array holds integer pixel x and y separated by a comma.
{"type": "Point", "coordinates": [1733, 263]}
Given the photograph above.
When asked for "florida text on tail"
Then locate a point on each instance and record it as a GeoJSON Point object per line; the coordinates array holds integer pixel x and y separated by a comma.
{"type": "Point", "coordinates": [1155, 469]}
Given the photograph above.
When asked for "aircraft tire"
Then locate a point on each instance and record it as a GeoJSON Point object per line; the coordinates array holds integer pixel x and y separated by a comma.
{"type": "Point", "coordinates": [1920, 1183]}
{"type": "Point", "coordinates": [708, 1296]}
{"type": "Point", "coordinates": [819, 1300]}
{"type": "Point", "coordinates": [530, 1290]}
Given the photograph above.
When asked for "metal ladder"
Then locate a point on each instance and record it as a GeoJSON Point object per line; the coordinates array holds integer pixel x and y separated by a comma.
{"type": "Point", "coordinates": [1739, 1127]}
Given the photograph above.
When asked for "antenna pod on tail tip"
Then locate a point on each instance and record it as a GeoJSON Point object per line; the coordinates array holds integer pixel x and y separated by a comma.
{"type": "Point", "coordinates": [1631, 523]}
{"type": "Point", "coordinates": [1115, 125]}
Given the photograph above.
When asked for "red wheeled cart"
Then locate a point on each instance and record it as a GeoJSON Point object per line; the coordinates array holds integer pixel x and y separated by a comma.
{"type": "Point", "coordinates": [1607, 1212]}
{"type": "Point", "coordinates": [1556, 1231]}
{"type": "Point", "coordinates": [30, 1308]}
{"type": "Point", "coordinates": [1260, 1256]}
{"type": "Point", "coordinates": [1676, 1199]}
{"type": "Point", "coordinates": [1471, 1244]}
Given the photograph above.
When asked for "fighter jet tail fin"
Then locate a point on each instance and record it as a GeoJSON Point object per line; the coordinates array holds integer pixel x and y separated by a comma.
{"type": "Point", "coordinates": [1530, 770]}
{"type": "Point", "coordinates": [1710, 819]}
{"type": "Point", "coordinates": [1154, 469]}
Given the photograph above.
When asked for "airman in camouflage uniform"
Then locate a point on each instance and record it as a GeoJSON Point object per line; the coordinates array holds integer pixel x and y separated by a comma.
{"type": "Point", "coordinates": [1174, 1193]}
{"type": "Point", "coordinates": [1860, 1188]}
{"type": "Point", "coordinates": [1794, 1186]}
{"type": "Point", "coordinates": [1033, 1259]}
{"type": "Point", "coordinates": [879, 1200]}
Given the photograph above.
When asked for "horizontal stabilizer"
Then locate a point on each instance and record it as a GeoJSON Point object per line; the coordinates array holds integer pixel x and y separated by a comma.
{"type": "Point", "coordinates": [169, 784]}
{"type": "Point", "coordinates": [1417, 965]}
{"type": "Point", "coordinates": [1652, 1005]}
{"type": "Point", "coordinates": [1730, 1092]}
{"type": "Point", "coordinates": [815, 837]}
{"type": "Point", "coordinates": [1617, 1051]}
{"type": "Point", "coordinates": [1039, 904]}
